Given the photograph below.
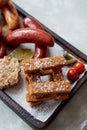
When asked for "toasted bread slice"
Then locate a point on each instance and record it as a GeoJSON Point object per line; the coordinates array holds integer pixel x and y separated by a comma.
{"type": "Point", "coordinates": [43, 88]}
{"type": "Point", "coordinates": [54, 89]}
{"type": "Point", "coordinates": [9, 72]}
{"type": "Point", "coordinates": [40, 64]}
{"type": "Point", "coordinates": [54, 75]}
{"type": "Point", "coordinates": [57, 75]}
{"type": "Point", "coordinates": [59, 96]}
{"type": "Point", "coordinates": [37, 101]}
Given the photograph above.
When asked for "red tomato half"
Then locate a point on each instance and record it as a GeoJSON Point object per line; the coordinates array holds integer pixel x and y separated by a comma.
{"type": "Point", "coordinates": [79, 67]}
{"type": "Point", "coordinates": [72, 74]}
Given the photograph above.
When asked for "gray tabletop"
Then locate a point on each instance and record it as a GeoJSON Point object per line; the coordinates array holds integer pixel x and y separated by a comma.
{"type": "Point", "coordinates": [68, 18]}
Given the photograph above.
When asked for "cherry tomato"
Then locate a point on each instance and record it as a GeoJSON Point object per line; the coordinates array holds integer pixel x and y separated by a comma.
{"type": "Point", "coordinates": [72, 74]}
{"type": "Point", "coordinates": [79, 67]}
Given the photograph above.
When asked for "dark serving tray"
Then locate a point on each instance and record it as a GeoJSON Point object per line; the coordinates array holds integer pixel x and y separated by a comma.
{"type": "Point", "coordinates": [20, 111]}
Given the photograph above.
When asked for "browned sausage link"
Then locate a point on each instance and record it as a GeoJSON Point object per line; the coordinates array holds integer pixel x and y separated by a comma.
{"type": "Point", "coordinates": [40, 51]}
{"type": "Point", "coordinates": [31, 23]}
{"type": "Point", "coordinates": [0, 32]}
{"type": "Point", "coordinates": [2, 49]}
{"type": "Point", "coordinates": [23, 35]}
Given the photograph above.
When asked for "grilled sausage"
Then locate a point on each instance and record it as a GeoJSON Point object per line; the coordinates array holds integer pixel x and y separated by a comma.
{"type": "Point", "coordinates": [23, 35]}
{"type": "Point", "coordinates": [31, 23]}
{"type": "Point", "coordinates": [40, 51]}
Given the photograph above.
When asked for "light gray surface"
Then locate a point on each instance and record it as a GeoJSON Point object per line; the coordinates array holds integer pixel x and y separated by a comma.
{"type": "Point", "coordinates": [68, 18]}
